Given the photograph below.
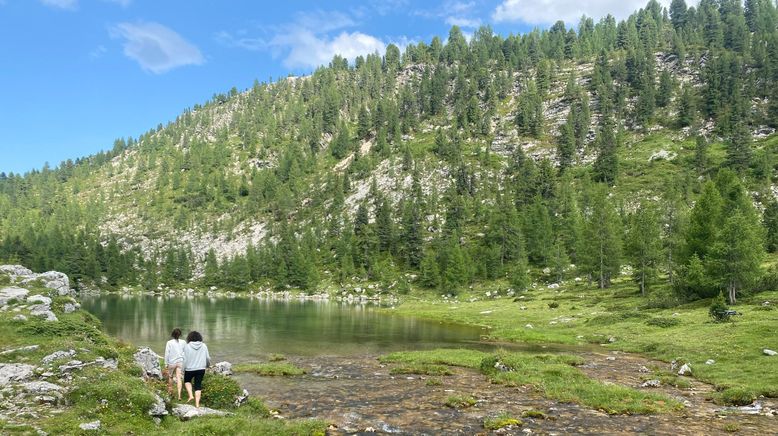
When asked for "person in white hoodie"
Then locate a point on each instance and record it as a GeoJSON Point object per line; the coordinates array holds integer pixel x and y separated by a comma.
{"type": "Point", "coordinates": [174, 360]}
{"type": "Point", "coordinates": [196, 359]}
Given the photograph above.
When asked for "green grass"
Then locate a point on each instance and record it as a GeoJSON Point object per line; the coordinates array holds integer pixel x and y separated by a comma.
{"type": "Point", "coordinates": [269, 369]}
{"type": "Point", "coordinates": [554, 376]}
{"type": "Point", "coordinates": [501, 421]}
{"type": "Point", "coordinates": [620, 312]}
{"type": "Point", "coordinates": [460, 401]}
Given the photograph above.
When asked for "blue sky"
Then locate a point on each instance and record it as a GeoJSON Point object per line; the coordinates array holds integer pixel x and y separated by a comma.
{"type": "Point", "coordinates": [76, 74]}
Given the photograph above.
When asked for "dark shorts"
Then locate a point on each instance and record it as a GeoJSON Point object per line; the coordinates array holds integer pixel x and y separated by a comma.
{"type": "Point", "coordinates": [197, 376]}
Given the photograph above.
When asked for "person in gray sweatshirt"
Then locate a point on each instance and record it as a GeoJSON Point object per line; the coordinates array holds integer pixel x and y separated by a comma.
{"type": "Point", "coordinates": [196, 359]}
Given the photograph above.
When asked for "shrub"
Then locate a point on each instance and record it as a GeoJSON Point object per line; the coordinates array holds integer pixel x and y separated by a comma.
{"type": "Point", "coordinates": [257, 407]}
{"type": "Point", "coordinates": [487, 364]}
{"type": "Point", "coordinates": [553, 305]}
{"type": "Point", "coordinates": [125, 394]}
{"type": "Point", "coordinates": [663, 322]}
{"type": "Point", "coordinates": [460, 402]}
{"type": "Point", "coordinates": [736, 397]}
{"type": "Point", "coordinates": [718, 308]}
{"type": "Point", "coordinates": [501, 421]}
{"type": "Point", "coordinates": [220, 391]}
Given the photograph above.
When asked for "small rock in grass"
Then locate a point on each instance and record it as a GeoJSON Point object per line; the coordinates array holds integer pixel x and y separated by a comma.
{"type": "Point", "coordinates": [69, 308]}
{"type": "Point", "coordinates": [710, 362]}
{"type": "Point", "coordinates": [610, 358]}
{"type": "Point", "coordinates": [20, 317]}
{"type": "Point", "coordinates": [685, 369]}
{"type": "Point", "coordinates": [185, 412]}
{"type": "Point", "coordinates": [148, 361]}
{"type": "Point", "coordinates": [58, 355]}
{"type": "Point", "coordinates": [158, 408]}
{"type": "Point", "coordinates": [39, 299]}
{"type": "Point", "coordinates": [611, 339]}
{"type": "Point", "coordinates": [529, 326]}
{"type": "Point", "coordinates": [651, 384]}
{"type": "Point", "coordinates": [90, 426]}
{"type": "Point", "coordinates": [643, 369]}
{"type": "Point", "coordinates": [769, 352]}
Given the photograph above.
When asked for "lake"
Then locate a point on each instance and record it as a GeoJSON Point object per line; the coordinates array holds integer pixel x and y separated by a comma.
{"type": "Point", "coordinates": [241, 329]}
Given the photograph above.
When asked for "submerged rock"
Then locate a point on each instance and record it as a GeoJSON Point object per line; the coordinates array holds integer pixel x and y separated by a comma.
{"type": "Point", "coordinates": [148, 361]}
{"type": "Point", "coordinates": [185, 412]}
{"type": "Point", "coordinates": [224, 368]}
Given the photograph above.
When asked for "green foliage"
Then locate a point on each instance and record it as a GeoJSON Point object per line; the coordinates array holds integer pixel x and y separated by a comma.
{"type": "Point", "coordinates": [735, 397]}
{"type": "Point", "coordinates": [460, 401]}
{"type": "Point", "coordinates": [501, 421]}
{"type": "Point", "coordinates": [269, 369]}
{"type": "Point", "coordinates": [423, 369]}
{"type": "Point", "coordinates": [663, 322]}
{"type": "Point", "coordinates": [219, 391]}
{"type": "Point", "coordinates": [718, 308]}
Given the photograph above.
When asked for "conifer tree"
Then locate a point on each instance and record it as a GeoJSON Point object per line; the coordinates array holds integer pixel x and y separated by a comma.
{"type": "Point", "coordinates": [644, 245]}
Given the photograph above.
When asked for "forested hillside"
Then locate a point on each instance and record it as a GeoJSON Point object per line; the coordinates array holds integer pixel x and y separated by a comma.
{"type": "Point", "coordinates": [575, 152]}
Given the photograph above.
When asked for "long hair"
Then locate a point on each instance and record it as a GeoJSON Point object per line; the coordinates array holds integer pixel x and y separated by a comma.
{"type": "Point", "coordinates": [194, 336]}
{"type": "Point", "coordinates": [176, 333]}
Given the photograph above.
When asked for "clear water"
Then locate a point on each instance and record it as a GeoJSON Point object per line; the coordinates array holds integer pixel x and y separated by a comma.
{"type": "Point", "coordinates": [242, 329]}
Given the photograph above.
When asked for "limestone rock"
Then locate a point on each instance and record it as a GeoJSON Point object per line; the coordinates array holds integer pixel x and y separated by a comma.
{"type": "Point", "coordinates": [224, 368]}
{"type": "Point", "coordinates": [73, 364]}
{"type": "Point", "coordinates": [70, 307]}
{"type": "Point", "coordinates": [15, 271]}
{"type": "Point", "coordinates": [685, 369]}
{"type": "Point", "coordinates": [90, 426]}
{"type": "Point", "coordinates": [58, 355]}
{"type": "Point", "coordinates": [186, 412]}
{"type": "Point", "coordinates": [37, 298]}
{"type": "Point", "coordinates": [158, 408]}
{"type": "Point", "coordinates": [14, 372]}
{"type": "Point", "coordinates": [662, 155]}
{"type": "Point", "coordinates": [57, 281]}
{"type": "Point", "coordinates": [43, 311]}
{"type": "Point", "coordinates": [710, 362]}
{"type": "Point", "coordinates": [769, 352]}
{"type": "Point", "coordinates": [12, 293]}
{"type": "Point", "coordinates": [20, 317]}
{"type": "Point", "coordinates": [148, 361]}
{"type": "Point", "coordinates": [41, 387]}
{"type": "Point", "coordinates": [651, 384]}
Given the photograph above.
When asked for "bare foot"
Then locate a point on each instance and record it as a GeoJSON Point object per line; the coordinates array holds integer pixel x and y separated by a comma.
{"type": "Point", "coordinates": [189, 399]}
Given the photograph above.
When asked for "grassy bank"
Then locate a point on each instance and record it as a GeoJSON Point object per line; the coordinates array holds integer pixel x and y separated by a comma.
{"type": "Point", "coordinates": [620, 319]}
{"type": "Point", "coordinates": [118, 398]}
{"type": "Point", "coordinates": [554, 376]}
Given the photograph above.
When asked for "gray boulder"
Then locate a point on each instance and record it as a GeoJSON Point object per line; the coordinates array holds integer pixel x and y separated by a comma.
{"type": "Point", "coordinates": [70, 307]}
{"type": "Point", "coordinates": [651, 384]}
{"type": "Point", "coordinates": [58, 355]}
{"type": "Point", "coordinates": [12, 293]}
{"type": "Point", "coordinates": [43, 311]}
{"type": "Point", "coordinates": [90, 426]}
{"type": "Point", "coordinates": [158, 408]}
{"type": "Point", "coordinates": [21, 349]}
{"type": "Point", "coordinates": [41, 387]}
{"type": "Point", "coordinates": [223, 368]}
{"type": "Point", "coordinates": [15, 271]}
{"type": "Point", "coordinates": [14, 372]}
{"type": "Point", "coordinates": [685, 369]}
{"type": "Point", "coordinates": [769, 352]}
{"type": "Point", "coordinates": [19, 317]}
{"type": "Point", "coordinates": [186, 412]}
{"type": "Point", "coordinates": [56, 281]}
{"type": "Point", "coordinates": [37, 298]}
{"type": "Point", "coordinates": [148, 361]}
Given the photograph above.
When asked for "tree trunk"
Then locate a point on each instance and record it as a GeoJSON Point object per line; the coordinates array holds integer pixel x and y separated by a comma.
{"type": "Point", "coordinates": [732, 293]}
{"type": "Point", "coordinates": [643, 284]}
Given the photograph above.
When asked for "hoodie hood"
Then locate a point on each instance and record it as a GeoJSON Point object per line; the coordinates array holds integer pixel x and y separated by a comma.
{"type": "Point", "coordinates": [196, 344]}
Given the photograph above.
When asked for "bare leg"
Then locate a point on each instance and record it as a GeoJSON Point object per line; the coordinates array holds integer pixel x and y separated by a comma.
{"type": "Point", "coordinates": [170, 383]}
{"type": "Point", "coordinates": [189, 391]}
{"type": "Point", "coordinates": [197, 398]}
{"type": "Point", "coordinates": [178, 382]}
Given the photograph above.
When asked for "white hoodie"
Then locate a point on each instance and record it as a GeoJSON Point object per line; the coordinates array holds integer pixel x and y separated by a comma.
{"type": "Point", "coordinates": [196, 356]}
{"type": "Point", "coordinates": [174, 351]}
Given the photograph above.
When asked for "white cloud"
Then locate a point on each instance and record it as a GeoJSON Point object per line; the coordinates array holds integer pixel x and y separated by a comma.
{"type": "Point", "coordinates": [240, 41]}
{"type": "Point", "coordinates": [463, 22]}
{"type": "Point", "coordinates": [570, 11]}
{"type": "Point", "coordinates": [308, 50]}
{"type": "Point", "coordinates": [156, 48]}
{"type": "Point", "coordinates": [98, 52]}
{"type": "Point", "coordinates": [61, 4]}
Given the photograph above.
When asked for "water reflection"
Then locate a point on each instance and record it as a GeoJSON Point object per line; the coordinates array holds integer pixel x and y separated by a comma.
{"type": "Point", "coordinates": [244, 329]}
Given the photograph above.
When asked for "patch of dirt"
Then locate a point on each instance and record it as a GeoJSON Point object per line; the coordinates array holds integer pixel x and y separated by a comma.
{"type": "Point", "coordinates": [358, 394]}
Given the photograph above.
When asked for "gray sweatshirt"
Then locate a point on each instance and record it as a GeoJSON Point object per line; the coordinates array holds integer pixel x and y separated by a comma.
{"type": "Point", "coordinates": [196, 356]}
{"type": "Point", "coordinates": [174, 351]}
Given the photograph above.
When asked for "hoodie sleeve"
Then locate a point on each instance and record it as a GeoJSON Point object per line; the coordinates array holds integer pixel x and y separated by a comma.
{"type": "Point", "coordinates": [168, 353]}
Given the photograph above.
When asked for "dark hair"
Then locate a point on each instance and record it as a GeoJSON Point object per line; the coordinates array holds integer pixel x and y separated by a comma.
{"type": "Point", "coordinates": [176, 333]}
{"type": "Point", "coordinates": [194, 336]}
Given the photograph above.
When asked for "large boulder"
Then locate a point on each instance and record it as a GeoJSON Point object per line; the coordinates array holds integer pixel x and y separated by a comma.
{"type": "Point", "coordinates": [62, 354]}
{"type": "Point", "coordinates": [43, 311]}
{"type": "Point", "coordinates": [148, 361]}
{"type": "Point", "coordinates": [41, 387]}
{"type": "Point", "coordinates": [12, 293]}
{"type": "Point", "coordinates": [57, 281]}
{"type": "Point", "coordinates": [186, 412]}
{"type": "Point", "coordinates": [223, 368]}
{"type": "Point", "coordinates": [15, 271]}
{"type": "Point", "coordinates": [158, 408]}
{"type": "Point", "coordinates": [14, 372]}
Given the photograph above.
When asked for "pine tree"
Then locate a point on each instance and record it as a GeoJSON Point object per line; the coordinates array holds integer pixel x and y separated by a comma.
{"type": "Point", "coordinates": [606, 166]}
{"type": "Point", "coordinates": [600, 252]}
{"type": "Point", "coordinates": [735, 257]}
{"type": "Point", "coordinates": [770, 221]}
{"type": "Point", "coordinates": [644, 245]}
{"type": "Point", "coordinates": [539, 233]}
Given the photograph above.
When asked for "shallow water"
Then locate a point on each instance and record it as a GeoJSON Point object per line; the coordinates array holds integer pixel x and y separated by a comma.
{"type": "Point", "coordinates": [241, 329]}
